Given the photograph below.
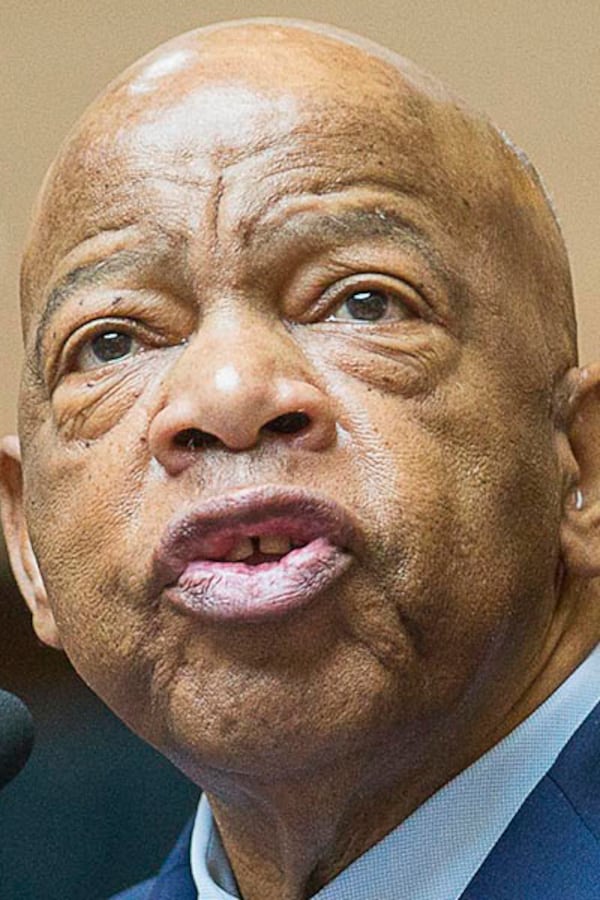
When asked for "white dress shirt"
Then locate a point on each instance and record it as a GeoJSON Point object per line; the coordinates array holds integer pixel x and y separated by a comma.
{"type": "Point", "coordinates": [435, 852]}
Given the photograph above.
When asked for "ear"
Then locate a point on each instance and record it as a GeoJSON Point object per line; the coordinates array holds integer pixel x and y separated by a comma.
{"type": "Point", "coordinates": [580, 530]}
{"type": "Point", "coordinates": [20, 552]}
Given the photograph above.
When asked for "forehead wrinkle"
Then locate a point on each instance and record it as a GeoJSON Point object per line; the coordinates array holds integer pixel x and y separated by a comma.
{"type": "Point", "coordinates": [90, 274]}
{"type": "Point", "coordinates": [356, 224]}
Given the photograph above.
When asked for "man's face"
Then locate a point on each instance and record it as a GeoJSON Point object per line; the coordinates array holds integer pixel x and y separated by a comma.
{"type": "Point", "coordinates": [243, 252]}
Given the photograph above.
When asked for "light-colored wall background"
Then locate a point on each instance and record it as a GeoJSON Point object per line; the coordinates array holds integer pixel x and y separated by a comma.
{"type": "Point", "coordinates": [534, 65]}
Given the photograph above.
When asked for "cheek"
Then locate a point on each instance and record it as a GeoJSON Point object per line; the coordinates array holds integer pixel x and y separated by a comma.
{"type": "Point", "coordinates": [467, 523]}
{"type": "Point", "coordinates": [80, 504]}
{"type": "Point", "coordinates": [86, 406]}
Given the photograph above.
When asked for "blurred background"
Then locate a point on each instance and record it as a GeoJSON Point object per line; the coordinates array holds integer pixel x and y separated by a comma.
{"type": "Point", "coordinates": [95, 809]}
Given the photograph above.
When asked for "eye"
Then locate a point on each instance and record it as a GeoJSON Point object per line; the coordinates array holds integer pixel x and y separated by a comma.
{"type": "Point", "coordinates": [105, 348]}
{"type": "Point", "coordinates": [371, 306]}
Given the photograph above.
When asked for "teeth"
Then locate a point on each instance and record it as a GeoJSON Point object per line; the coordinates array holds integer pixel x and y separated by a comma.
{"type": "Point", "coordinates": [241, 550]}
{"type": "Point", "coordinates": [274, 544]}
{"type": "Point", "coordinates": [269, 544]}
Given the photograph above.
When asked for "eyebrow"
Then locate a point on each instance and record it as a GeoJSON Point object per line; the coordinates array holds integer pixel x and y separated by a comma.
{"type": "Point", "coordinates": [335, 227]}
{"type": "Point", "coordinates": [366, 223]}
{"type": "Point", "coordinates": [92, 274]}
{"type": "Point", "coordinates": [355, 224]}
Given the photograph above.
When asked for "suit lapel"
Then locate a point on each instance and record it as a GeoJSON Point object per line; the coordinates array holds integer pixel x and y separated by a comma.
{"type": "Point", "coordinates": [174, 881]}
{"type": "Point", "coordinates": [551, 849]}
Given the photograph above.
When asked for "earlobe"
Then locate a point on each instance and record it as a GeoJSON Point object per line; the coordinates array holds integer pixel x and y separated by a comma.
{"type": "Point", "coordinates": [580, 530]}
{"type": "Point", "coordinates": [22, 558]}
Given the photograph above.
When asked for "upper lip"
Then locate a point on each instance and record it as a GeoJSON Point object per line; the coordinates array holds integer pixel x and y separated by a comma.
{"type": "Point", "coordinates": [252, 512]}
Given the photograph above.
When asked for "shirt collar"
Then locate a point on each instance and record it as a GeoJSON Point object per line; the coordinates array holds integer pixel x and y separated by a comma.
{"type": "Point", "coordinates": [436, 851]}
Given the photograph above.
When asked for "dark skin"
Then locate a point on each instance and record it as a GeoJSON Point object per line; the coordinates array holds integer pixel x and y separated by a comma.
{"type": "Point", "coordinates": [202, 257]}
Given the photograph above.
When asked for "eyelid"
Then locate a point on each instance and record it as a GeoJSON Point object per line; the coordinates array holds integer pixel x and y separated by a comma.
{"type": "Point", "coordinates": [85, 333]}
{"type": "Point", "coordinates": [410, 296]}
{"type": "Point", "coordinates": [405, 312]}
{"type": "Point", "coordinates": [163, 317]}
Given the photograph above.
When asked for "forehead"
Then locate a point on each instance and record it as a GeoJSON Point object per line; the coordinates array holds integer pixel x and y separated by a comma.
{"type": "Point", "coordinates": [252, 145]}
{"type": "Point", "coordinates": [190, 144]}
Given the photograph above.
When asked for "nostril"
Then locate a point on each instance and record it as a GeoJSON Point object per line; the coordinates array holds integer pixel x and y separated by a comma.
{"type": "Point", "coordinates": [289, 423]}
{"type": "Point", "coordinates": [194, 439]}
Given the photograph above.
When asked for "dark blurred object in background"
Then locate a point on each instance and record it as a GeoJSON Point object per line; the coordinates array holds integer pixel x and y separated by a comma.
{"type": "Point", "coordinates": [94, 809]}
{"type": "Point", "coordinates": [16, 736]}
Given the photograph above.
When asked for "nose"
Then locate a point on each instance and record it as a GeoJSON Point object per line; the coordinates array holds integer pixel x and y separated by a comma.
{"type": "Point", "coordinates": [232, 393]}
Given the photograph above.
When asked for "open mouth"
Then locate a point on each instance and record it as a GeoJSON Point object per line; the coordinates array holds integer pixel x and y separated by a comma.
{"type": "Point", "coordinates": [253, 550]}
{"type": "Point", "coordinates": [254, 555]}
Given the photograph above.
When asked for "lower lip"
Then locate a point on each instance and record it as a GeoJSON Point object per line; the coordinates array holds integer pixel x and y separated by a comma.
{"type": "Point", "coordinates": [234, 592]}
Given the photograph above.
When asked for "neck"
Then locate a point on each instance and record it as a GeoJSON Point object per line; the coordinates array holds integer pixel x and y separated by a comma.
{"type": "Point", "coordinates": [287, 838]}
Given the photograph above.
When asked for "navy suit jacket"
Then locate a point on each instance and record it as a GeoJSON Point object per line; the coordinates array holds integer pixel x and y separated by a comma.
{"type": "Point", "coordinates": [550, 850]}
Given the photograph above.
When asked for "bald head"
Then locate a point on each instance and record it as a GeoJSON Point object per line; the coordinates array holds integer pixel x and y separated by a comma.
{"type": "Point", "coordinates": [232, 91]}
